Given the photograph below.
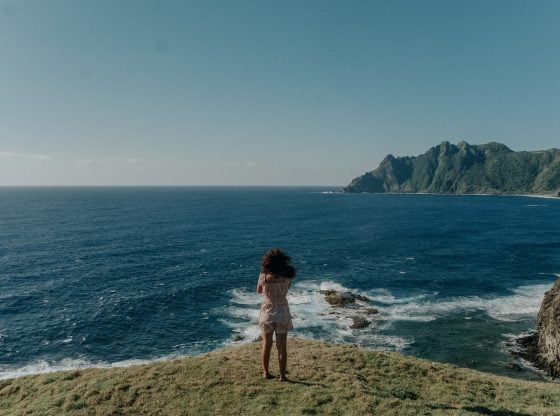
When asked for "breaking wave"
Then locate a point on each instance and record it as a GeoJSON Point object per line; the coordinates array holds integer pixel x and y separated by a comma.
{"type": "Point", "coordinates": [314, 317]}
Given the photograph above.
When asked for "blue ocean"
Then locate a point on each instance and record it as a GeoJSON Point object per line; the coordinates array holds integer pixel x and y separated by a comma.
{"type": "Point", "coordinates": [99, 277]}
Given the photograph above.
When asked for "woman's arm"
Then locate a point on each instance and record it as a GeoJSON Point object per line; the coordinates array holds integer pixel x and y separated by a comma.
{"type": "Point", "coordinates": [260, 287]}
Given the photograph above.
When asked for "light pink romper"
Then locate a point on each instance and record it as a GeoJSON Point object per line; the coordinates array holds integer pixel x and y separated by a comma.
{"type": "Point", "coordinates": [275, 312]}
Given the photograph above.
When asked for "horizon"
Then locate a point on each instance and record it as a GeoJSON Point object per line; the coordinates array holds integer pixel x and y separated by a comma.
{"type": "Point", "coordinates": [172, 186]}
{"type": "Point", "coordinates": [240, 185]}
{"type": "Point", "coordinates": [211, 93]}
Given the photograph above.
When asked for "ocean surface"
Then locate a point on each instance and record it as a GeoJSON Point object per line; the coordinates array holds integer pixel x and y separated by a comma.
{"type": "Point", "coordinates": [115, 276]}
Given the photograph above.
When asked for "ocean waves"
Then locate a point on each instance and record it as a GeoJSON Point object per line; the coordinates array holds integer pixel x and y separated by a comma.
{"type": "Point", "coordinates": [44, 366]}
{"type": "Point", "coordinates": [98, 277]}
{"type": "Point", "coordinates": [524, 302]}
{"type": "Point", "coordinates": [314, 317]}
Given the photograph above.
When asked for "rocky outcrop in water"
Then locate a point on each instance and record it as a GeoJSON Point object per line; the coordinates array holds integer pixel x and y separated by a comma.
{"type": "Point", "coordinates": [341, 298]}
{"type": "Point", "coordinates": [548, 330]}
{"type": "Point", "coordinates": [542, 348]}
{"type": "Point", "coordinates": [359, 323]}
{"type": "Point", "coordinates": [348, 302]}
{"type": "Point", "coordinates": [490, 168]}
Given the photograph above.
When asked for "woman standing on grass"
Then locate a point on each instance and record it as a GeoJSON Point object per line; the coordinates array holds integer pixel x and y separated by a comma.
{"type": "Point", "coordinates": [274, 281]}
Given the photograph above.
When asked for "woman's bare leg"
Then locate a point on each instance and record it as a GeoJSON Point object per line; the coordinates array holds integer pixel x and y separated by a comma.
{"type": "Point", "coordinates": [265, 355]}
{"type": "Point", "coordinates": [281, 346]}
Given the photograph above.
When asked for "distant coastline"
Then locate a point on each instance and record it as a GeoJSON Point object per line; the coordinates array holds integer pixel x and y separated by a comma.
{"type": "Point", "coordinates": [488, 169]}
{"type": "Point", "coordinates": [543, 196]}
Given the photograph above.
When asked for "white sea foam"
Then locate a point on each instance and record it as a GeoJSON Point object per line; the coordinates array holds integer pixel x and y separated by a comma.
{"type": "Point", "coordinates": [65, 364]}
{"type": "Point", "coordinates": [42, 366]}
{"type": "Point", "coordinates": [313, 317]}
{"type": "Point", "coordinates": [326, 192]}
{"type": "Point", "coordinates": [243, 297]}
{"type": "Point", "coordinates": [524, 302]}
{"type": "Point", "coordinates": [510, 346]}
{"type": "Point", "coordinates": [384, 297]}
{"type": "Point", "coordinates": [540, 196]}
{"type": "Point", "coordinates": [243, 313]}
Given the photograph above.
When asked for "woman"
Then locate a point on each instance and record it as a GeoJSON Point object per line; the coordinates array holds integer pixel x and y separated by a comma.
{"type": "Point", "coordinates": [274, 281]}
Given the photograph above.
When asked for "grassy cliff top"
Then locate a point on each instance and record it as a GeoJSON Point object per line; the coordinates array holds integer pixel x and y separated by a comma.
{"type": "Point", "coordinates": [326, 379]}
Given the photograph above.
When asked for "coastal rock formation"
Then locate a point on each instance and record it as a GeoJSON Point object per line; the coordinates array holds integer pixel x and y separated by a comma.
{"type": "Point", "coordinates": [346, 306]}
{"type": "Point", "coordinates": [548, 330]}
{"type": "Point", "coordinates": [359, 323]}
{"type": "Point", "coordinates": [341, 298]}
{"type": "Point", "coordinates": [490, 168]}
{"type": "Point", "coordinates": [542, 347]}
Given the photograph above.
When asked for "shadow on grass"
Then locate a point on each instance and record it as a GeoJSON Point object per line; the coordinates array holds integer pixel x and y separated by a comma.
{"type": "Point", "coordinates": [481, 410]}
{"type": "Point", "coordinates": [485, 411]}
{"type": "Point", "coordinates": [302, 382]}
{"type": "Point", "coordinates": [305, 383]}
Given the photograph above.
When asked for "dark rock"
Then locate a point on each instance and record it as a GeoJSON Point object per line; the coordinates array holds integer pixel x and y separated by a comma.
{"type": "Point", "coordinates": [526, 347]}
{"type": "Point", "coordinates": [238, 338]}
{"type": "Point", "coordinates": [542, 348]}
{"type": "Point", "coordinates": [513, 366]}
{"type": "Point", "coordinates": [548, 329]}
{"type": "Point", "coordinates": [338, 298]}
{"type": "Point", "coordinates": [490, 168]}
{"type": "Point", "coordinates": [342, 298]}
{"type": "Point", "coordinates": [372, 311]}
{"type": "Point", "coordinates": [359, 323]}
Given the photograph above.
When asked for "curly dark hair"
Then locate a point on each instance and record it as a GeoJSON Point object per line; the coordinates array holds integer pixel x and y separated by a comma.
{"type": "Point", "coordinates": [276, 262]}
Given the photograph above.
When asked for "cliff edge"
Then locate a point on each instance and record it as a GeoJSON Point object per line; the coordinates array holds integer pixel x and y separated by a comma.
{"type": "Point", "coordinates": [548, 330]}
{"type": "Point", "coordinates": [542, 347]}
{"type": "Point", "coordinates": [326, 379]}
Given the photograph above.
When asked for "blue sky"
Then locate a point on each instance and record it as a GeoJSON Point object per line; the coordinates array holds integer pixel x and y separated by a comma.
{"type": "Point", "coordinates": [115, 92]}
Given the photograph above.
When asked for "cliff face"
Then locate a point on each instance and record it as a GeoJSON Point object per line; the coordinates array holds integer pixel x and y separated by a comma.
{"type": "Point", "coordinates": [490, 168]}
{"type": "Point", "coordinates": [548, 329]}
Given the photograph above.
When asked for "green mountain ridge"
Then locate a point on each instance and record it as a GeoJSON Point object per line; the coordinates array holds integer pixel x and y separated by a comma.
{"type": "Point", "coordinates": [491, 168]}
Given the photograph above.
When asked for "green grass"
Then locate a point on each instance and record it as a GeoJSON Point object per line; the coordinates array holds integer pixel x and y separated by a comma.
{"type": "Point", "coordinates": [327, 379]}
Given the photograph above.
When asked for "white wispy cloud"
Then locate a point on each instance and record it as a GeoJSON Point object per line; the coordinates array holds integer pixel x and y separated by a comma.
{"type": "Point", "coordinates": [84, 162]}
{"type": "Point", "coordinates": [25, 156]}
{"type": "Point", "coordinates": [111, 160]}
{"type": "Point", "coordinates": [247, 164]}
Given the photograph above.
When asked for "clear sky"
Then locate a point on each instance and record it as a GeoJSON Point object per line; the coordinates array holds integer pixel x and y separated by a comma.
{"type": "Point", "coordinates": [116, 92]}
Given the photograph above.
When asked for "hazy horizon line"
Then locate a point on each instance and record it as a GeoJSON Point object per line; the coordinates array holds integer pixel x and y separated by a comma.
{"type": "Point", "coordinates": [172, 186]}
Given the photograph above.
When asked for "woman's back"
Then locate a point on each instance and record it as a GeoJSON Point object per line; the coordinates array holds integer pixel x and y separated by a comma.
{"type": "Point", "coordinates": [275, 288]}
